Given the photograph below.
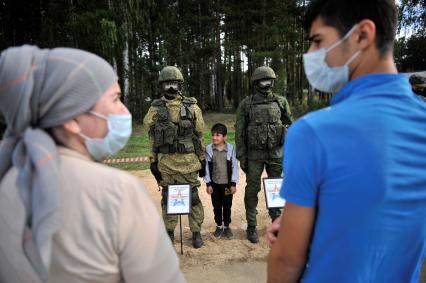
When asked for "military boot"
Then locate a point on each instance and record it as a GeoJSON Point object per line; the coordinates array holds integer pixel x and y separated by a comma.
{"type": "Point", "coordinates": [197, 241]}
{"type": "Point", "coordinates": [171, 234]}
{"type": "Point", "coordinates": [252, 234]}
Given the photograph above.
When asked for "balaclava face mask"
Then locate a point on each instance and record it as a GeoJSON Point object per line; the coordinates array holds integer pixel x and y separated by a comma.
{"type": "Point", "coordinates": [171, 89]}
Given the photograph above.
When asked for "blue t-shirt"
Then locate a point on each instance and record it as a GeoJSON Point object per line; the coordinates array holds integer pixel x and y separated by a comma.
{"type": "Point", "coordinates": [362, 164]}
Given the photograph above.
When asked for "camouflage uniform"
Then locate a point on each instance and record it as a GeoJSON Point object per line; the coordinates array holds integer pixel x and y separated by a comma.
{"type": "Point", "coordinates": [176, 134]}
{"type": "Point", "coordinates": [260, 131]}
{"type": "Point", "coordinates": [418, 84]}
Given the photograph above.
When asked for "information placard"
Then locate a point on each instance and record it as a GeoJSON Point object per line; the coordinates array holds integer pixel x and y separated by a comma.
{"type": "Point", "coordinates": [179, 199]}
{"type": "Point", "coordinates": [272, 187]}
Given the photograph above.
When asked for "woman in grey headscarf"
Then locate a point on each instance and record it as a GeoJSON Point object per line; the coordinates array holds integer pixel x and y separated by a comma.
{"type": "Point", "coordinates": [63, 217]}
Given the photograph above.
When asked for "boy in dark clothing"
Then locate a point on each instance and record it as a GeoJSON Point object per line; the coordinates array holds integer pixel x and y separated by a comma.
{"type": "Point", "coordinates": [221, 178]}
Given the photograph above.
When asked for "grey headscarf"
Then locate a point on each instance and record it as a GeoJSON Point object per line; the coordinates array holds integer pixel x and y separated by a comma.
{"type": "Point", "coordinates": [41, 89]}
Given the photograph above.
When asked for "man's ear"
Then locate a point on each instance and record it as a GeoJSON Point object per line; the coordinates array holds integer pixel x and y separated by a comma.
{"type": "Point", "coordinates": [72, 126]}
{"type": "Point", "coordinates": [366, 34]}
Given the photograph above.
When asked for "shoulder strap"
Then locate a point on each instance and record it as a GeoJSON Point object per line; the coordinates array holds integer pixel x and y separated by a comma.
{"type": "Point", "coordinates": [189, 100]}
{"type": "Point", "coordinates": [283, 109]}
{"type": "Point", "coordinates": [262, 100]}
{"type": "Point", "coordinates": [162, 111]}
{"type": "Point", "coordinates": [187, 110]}
{"type": "Point", "coordinates": [157, 102]}
{"type": "Point", "coordinates": [278, 101]}
{"type": "Point", "coordinates": [249, 108]}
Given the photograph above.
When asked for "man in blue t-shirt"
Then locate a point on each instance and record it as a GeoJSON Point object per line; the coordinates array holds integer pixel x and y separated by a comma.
{"type": "Point", "coordinates": [354, 176]}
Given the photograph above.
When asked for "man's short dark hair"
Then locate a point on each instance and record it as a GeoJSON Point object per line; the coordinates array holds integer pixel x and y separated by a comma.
{"type": "Point", "coordinates": [219, 129]}
{"type": "Point", "coordinates": [344, 14]}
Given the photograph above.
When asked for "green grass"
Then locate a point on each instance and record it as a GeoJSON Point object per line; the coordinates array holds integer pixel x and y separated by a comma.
{"type": "Point", "coordinates": [227, 119]}
{"type": "Point", "coordinates": [137, 146]}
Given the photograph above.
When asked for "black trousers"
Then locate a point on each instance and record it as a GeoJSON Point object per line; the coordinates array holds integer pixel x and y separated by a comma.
{"type": "Point", "coordinates": [221, 204]}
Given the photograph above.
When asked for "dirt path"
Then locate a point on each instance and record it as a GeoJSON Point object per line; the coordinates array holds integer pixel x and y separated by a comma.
{"type": "Point", "coordinates": [232, 272]}
{"type": "Point", "coordinates": [220, 260]}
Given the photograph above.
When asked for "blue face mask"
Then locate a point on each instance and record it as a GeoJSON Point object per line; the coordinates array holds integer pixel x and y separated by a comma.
{"type": "Point", "coordinates": [323, 77]}
{"type": "Point", "coordinates": [119, 131]}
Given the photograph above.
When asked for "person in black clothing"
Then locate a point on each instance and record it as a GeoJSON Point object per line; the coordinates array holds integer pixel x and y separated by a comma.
{"type": "Point", "coordinates": [221, 178]}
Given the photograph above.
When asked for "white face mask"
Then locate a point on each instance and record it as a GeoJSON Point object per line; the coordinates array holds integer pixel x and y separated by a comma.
{"type": "Point", "coordinates": [323, 77]}
{"type": "Point", "coordinates": [119, 131]}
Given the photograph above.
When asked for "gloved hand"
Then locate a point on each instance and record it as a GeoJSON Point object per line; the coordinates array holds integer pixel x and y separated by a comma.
{"type": "Point", "coordinates": [154, 170]}
{"type": "Point", "coordinates": [202, 171]}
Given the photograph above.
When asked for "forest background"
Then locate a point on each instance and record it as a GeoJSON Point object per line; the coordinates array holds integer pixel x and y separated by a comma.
{"type": "Point", "coordinates": [217, 44]}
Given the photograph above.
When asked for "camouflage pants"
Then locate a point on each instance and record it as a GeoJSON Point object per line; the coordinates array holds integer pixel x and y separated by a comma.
{"type": "Point", "coordinates": [196, 217]}
{"type": "Point", "coordinates": [255, 168]}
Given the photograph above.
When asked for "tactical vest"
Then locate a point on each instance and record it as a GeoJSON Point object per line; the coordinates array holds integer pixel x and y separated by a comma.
{"type": "Point", "coordinates": [172, 137]}
{"type": "Point", "coordinates": [265, 129]}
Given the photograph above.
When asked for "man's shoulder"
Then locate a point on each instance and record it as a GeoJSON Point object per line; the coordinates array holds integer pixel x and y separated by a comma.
{"type": "Point", "coordinates": [316, 118]}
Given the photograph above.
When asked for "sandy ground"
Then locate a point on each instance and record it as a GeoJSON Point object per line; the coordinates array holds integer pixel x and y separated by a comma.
{"type": "Point", "coordinates": [220, 260]}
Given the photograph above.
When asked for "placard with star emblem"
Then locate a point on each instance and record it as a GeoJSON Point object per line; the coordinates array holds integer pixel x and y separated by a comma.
{"type": "Point", "coordinates": [272, 187]}
{"type": "Point", "coordinates": [179, 199]}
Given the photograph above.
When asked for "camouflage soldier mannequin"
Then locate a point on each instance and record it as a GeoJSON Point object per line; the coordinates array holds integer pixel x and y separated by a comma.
{"type": "Point", "coordinates": [176, 125]}
{"type": "Point", "coordinates": [260, 130]}
{"type": "Point", "coordinates": [418, 84]}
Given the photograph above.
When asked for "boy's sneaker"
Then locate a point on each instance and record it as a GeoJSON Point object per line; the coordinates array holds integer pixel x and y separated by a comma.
{"type": "Point", "coordinates": [218, 232]}
{"type": "Point", "coordinates": [227, 232]}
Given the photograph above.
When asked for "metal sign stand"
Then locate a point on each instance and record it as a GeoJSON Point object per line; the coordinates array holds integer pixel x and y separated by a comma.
{"type": "Point", "coordinates": [181, 240]}
{"type": "Point", "coordinates": [179, 194]}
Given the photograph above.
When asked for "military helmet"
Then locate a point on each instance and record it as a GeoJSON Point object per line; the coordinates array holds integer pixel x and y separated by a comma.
{"type": "Point", "coordinates": [417, 80]}
{"type": "Point", "coordinates": [170, 73]}
{"type": "Point", "coordinates": [263, 73]}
